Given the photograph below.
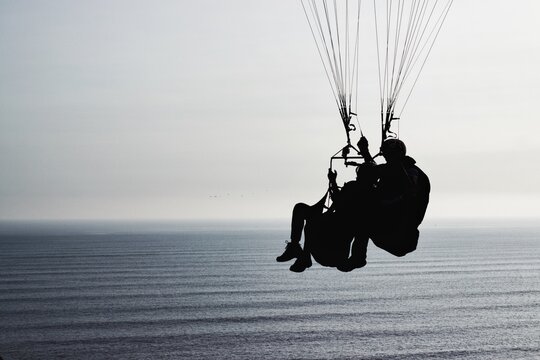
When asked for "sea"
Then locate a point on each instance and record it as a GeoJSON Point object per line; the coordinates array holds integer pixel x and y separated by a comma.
{"type": "Point", "coordinates": [213, 290]}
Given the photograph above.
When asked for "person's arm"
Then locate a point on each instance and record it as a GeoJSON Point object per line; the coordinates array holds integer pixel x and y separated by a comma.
{"type": "Point", "coordinates": [363, 147]}
{"type": "Point", "coordinates": [333, 188]}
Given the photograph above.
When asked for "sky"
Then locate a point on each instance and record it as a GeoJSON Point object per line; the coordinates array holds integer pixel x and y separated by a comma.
{"type": "Point", "coordinates": [215, 109]}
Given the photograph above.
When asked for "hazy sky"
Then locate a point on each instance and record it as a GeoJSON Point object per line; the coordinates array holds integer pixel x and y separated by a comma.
{"type": "Point", "coordinates": [221, 109]}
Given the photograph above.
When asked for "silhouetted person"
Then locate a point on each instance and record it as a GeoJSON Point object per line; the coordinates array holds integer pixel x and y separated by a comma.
{"type": "Point", "coordinates": [402, 199]}
{"type": "Point", "coordinates": [328, 235]}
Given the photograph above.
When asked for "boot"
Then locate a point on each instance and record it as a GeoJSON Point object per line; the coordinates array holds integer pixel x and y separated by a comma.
{"type": "Point", "coordinates": [292, 251]}
{"type": "Point", "coordinates": [302, 263]}
{"type": "Point", "coordinates": [351, 263]}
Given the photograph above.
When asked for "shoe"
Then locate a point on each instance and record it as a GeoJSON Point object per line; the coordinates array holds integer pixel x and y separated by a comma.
{"type": "Point", "coordinates": [292, 251]}
{"type": "Point", "coordinates": [350, 264]}
{"type": "Point", "coordinates": [302, 263]}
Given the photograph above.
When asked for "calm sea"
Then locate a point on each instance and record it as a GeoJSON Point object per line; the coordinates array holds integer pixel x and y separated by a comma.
{"type": "Point", "coordinates": [214, 291]}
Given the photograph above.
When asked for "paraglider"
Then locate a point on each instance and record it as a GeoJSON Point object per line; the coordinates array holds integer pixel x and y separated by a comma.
{"type": "Point", "coordinates": [390, 200]}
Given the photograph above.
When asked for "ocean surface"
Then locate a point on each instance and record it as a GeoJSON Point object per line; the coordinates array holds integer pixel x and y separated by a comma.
{"type": "Point", "coordinates": [215, 291]}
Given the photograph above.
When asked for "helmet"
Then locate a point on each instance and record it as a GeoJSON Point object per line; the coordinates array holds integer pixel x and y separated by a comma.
{"type": "Point", "coordinates": [393, 149]}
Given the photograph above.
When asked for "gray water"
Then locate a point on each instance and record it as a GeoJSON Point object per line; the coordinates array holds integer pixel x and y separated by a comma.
{"type": "Point", "coordinates": [201, 291]}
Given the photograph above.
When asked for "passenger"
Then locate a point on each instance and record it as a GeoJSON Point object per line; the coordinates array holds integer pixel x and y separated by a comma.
{"type": "Point", "coordinates": [328, 235]}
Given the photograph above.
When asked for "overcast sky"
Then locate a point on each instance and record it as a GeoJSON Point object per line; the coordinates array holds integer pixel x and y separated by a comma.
{"type": "Point", "coordinates": [221, 109]}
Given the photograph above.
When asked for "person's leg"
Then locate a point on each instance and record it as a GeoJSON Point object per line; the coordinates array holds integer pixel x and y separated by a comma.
{"type": "Point", "coordinates": [359, 249]}
{"type": "Point", "coordinates": [315, 235]}
{"type": "Point", "coordinates": [357, 259]}
{"type": "Point", "coordinates": [314, 221]}
{"type": "Point", "coordinates": [301, 213]}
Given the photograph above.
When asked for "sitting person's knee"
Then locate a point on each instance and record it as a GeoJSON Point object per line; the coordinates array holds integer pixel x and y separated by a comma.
{"type": "Point", "coordinates": [301, 207]}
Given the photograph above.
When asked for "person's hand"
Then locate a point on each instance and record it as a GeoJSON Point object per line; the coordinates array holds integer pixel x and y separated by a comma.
{"type": "Point", "coordinates": [332, 175]}
{"type": "Point", "coordinates": [363, 145]}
